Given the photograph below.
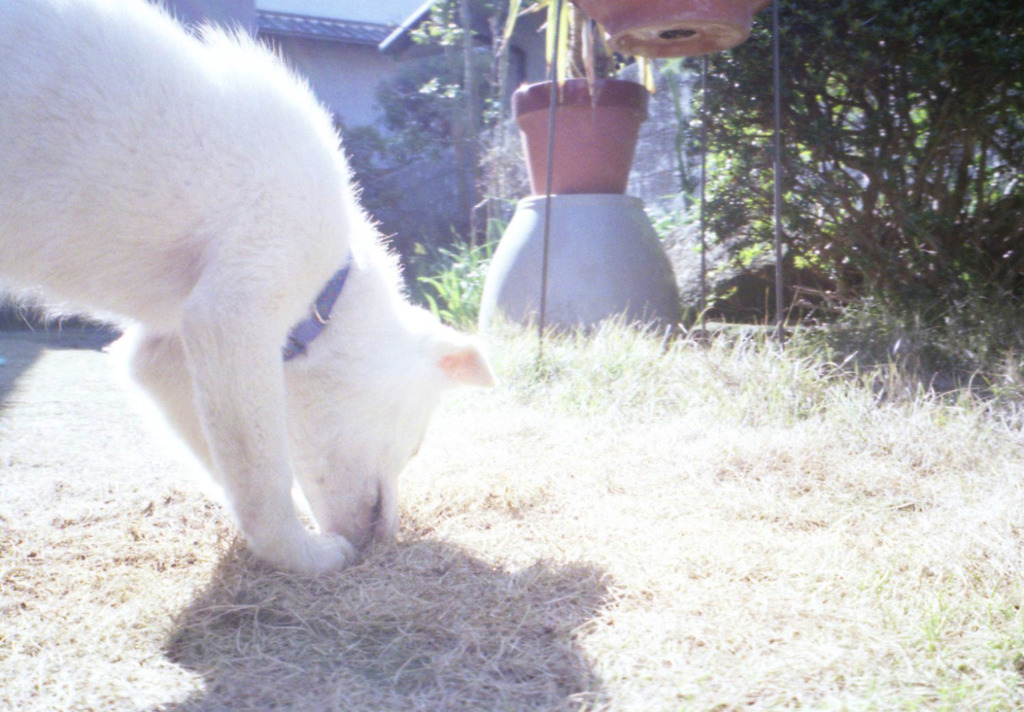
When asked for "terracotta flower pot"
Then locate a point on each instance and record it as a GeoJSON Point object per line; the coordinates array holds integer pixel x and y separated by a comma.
{"type": "Point", "coordinates": [595, 137]}
{"type": "Point", "coordinates": [673, 28]}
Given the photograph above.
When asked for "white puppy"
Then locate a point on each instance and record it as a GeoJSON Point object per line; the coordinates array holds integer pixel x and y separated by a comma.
{"type": "Point", "coordinates": [197, 188]}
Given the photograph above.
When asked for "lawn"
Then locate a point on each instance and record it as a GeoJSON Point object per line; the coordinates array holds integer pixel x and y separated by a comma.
{"type": "Point", "coordinates": [626, 524]}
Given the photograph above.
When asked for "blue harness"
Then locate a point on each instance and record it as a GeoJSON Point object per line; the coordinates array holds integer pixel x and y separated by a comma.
{"type": "Point", "coordinates": [303, 333]}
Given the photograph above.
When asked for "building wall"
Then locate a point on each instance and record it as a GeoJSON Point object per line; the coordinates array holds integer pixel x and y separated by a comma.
{"type": "Point", "coordinates": [529, 39]}
{"type": "Point", "coordinates": [343, 76]}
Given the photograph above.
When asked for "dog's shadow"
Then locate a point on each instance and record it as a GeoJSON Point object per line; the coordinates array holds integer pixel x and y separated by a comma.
{"type": "Point", "coordinates": [420, 625]}
{"type": "Point", "coordinates": [21, 346]}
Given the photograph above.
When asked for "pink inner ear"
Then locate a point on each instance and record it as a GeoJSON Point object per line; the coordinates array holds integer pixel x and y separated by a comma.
{"type": "Point", "coordinates": [467, 367]}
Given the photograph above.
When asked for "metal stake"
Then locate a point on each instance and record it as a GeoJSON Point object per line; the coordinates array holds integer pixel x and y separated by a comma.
{"type": "Point", "coordinates": [550, 171]}
{"type": "Point", "coordinates": [779, 310]}
{"type": "Point", "coordinates": [703, 187]}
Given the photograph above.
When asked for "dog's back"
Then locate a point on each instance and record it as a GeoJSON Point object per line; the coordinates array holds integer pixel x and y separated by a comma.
{"type": "Point", "coordinates": [129, 151]}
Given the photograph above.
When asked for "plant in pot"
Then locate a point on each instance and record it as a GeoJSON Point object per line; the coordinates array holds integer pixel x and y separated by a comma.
{"type": "Point", "coordinates": [579, 250]}
{"type": "Point", "coordinates": [597, 118]}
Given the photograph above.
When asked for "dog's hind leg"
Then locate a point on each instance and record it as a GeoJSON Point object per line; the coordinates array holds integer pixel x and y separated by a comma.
{"type": "Point", "coordinates": [158, 366]}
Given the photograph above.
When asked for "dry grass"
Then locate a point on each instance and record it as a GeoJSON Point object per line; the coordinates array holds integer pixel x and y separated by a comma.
{"type": "Point", "coordinates": [707, 527]}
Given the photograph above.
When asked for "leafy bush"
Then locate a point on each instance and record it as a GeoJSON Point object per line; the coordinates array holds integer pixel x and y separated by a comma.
{"type": "Point", "coordinates": [903, 131]}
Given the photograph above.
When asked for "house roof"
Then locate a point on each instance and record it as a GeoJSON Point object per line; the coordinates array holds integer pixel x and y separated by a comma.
{"type": "Point", "coordinates": [399, 39]}
{"type": "Point", "coordinates": [321, 28]}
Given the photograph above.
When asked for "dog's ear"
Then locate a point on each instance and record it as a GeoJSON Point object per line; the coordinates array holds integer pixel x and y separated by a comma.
{"type": "Point", "coordinates": [463, 364]}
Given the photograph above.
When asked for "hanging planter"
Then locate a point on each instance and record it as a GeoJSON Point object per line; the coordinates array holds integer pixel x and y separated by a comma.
{"type": "Point", "coordinates": [595, 134]}
{"type": "Point", "coordinates": [673, 28]}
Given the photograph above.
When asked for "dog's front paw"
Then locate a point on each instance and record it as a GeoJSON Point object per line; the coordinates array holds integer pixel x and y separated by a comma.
{"type": "Point", "coordinates": [310, 554]}
{"type": "Point", "coordinates": [326, 552]}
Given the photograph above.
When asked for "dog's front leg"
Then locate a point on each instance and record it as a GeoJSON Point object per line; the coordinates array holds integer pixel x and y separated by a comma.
{"type": "Point", "coordinates": [235, 361]}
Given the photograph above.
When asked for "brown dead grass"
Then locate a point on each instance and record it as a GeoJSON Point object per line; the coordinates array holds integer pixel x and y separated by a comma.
{"type": "Point", "coordinates": [565, 544]}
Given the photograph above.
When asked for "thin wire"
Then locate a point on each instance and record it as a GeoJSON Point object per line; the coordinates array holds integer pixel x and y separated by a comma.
{"type": "Point", "coordinates": [547, 197]}
{"type": "Point", "coordinates": [779, 311]}
{"type": "Point", "coordinates": [703, 186]}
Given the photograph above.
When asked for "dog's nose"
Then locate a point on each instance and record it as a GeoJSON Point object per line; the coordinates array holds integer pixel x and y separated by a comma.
{"type": "Point", "coordinates": [360, 521]}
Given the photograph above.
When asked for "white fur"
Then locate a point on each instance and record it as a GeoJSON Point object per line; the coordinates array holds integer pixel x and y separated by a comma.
{"type": "Point", "coordinates": [196, 188]}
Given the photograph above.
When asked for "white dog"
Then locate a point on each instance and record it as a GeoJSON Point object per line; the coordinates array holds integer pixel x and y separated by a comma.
{"type": "Point", "coordinates": [197, 188]}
